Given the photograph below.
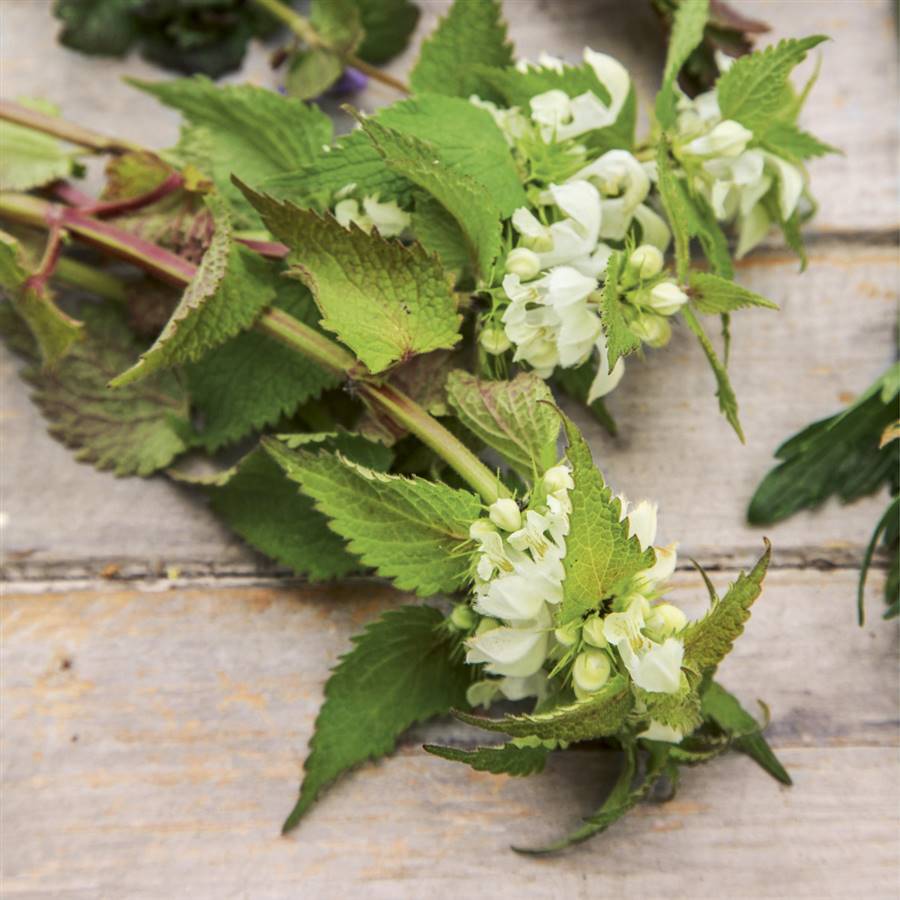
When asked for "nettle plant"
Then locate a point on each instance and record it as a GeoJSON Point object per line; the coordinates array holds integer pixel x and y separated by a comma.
{"type": "Point", "coordinates": [343, 319]}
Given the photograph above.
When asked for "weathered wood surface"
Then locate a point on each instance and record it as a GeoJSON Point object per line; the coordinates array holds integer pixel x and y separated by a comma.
{"type": "Point", "coordinates": [152, 734]}
{"type": "Point", "coordinates": [153, 741]}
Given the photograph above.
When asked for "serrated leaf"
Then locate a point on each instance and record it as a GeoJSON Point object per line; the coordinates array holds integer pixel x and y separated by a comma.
{"type": "Point", "coordinates": [252, 382]}
{"type": "Point", "coordinates": [388, 26]}
{"type": "Point", "coordinates": [516, 418]}
{"type": "Point", "coordinates": [728, 404]}
{"type": "Point", "coordinates": [726, 711]}
{"type": "Point", "coordinates": [680, 709]}
{"type": "Point", "coordinates": [600, 715]}
{"type": "Point", "coordinates": [599, 552]}
{"type": "Point", "coordinates": [54, 331]}
{"type": "Point", "coordinates": [675, 206]}
{"type": "Point", "coordinates": [311, 72]}
{"type": "Point", "coordinates": [352, 160]}
{"type": "Point", "coordinates": [242, 129]}
{"type": "Point", "coordinates": [135, 431]}
{"type": "Point", "coordinates": [752, 90]}
{"type": "Point", "coordinates": [620, 340]}
{"type": "Point", "coordinates": [785, 139]}
{"type": "Point", "coordinates": [462, 196]}
{"type": "Point", "coordinates": [231, 288]}
{"type": "Point", "coordinates": [509, 759]}
{"type": "Point", "coordinates": [30, 159]}
{"type": "Point", "coordinates": [711, 294]}
{"type": "Point", "coordinates": [438, 232]}
{"type": "Point", "coordinates": [887, 532]}
{"type": "Point", "coordinates": [257, 501]}
{"type": "Point", "coordinates": [709, 640]}
{"type": "Point", "coordinates": [410, 530]}
{"type": "Point", "coordinates": [471, 34]}
{"type": "Point", "coordinates": [400, 671]}
{"type": "Point", "coordinates": [686, 35]}
{"type": "Point", "coordinates": [463, 137]}
{"type": "Point", "coordinates": [839, 456]}
{"type": "Point", "coordinates": [387, 302]}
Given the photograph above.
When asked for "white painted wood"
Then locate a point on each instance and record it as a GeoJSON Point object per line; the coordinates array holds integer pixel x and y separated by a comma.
{"type": "Point", "coordinates": [152, 742]}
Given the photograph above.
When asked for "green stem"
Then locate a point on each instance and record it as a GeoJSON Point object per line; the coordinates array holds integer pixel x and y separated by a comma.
{"type": "Point", "coordinates": [66, 131]}
{"type": "Point", "coordinates": [304, 29]}
{"type": "Point", "coordinates": [274, 322]}
{"type": "Point", "coordinates": [77, 274]}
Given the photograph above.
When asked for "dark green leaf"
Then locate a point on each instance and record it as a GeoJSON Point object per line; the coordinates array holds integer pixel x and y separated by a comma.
{"type": "Point", "coordinates": [509, 759]}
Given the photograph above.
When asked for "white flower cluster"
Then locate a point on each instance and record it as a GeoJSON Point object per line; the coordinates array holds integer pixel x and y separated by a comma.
{"type": "Point", "coordinates": [732, 178]}
{"type": "Point", "coordinates": [519, 580]}
{"type": "Point", "coordinates": [387, 217]}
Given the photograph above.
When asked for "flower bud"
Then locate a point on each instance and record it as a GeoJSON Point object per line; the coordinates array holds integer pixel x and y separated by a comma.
{"type": "Point", "coordinates": [494, 340]}
{"type": "Point", "coordinates": [524, 263]}
{"type": "Point", "coordinates": [728, 138]}
{"type": "Point", "coordinates": [558, 478]}
{"type": "Point", "coordinates": [591, 670]}
{"type": "Point", "coordinates": [652, 329]}
{"type": "Point", "coordinates": [568, 633]}
{"type": "Point", "coordinates": [666, 298]}
{"type": "Point", "coordinates": [646, 261]}
{"type": "Point", "coordinates": [462, 617]}
{"type": "Point", "coordinates": [592, 632]}
{"type": "Point", "coordinates": [666, 619]}
{"type": "Point", "coordinates": [480, 529]}
{"type": "Point", "coordinates": [505, 514]}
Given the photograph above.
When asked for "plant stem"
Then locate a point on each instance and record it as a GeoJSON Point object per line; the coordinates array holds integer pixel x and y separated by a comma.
{"type": "Point", "coordinates": [303, 28]}
{"type": "Point", "coordinates": [77, 274]}
{"type": "Point", "coordinates": [274, 322]}
{"type": "Point", "coordinates": [67, 131]}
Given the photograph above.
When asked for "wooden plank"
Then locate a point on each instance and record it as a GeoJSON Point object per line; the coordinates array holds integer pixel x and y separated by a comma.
{"type": "Point", "coordinates": [152, 742]}
{"type": "Point", "coordinates": [789, 368]}
{"type": "Point", "coordinates": [857, 191]}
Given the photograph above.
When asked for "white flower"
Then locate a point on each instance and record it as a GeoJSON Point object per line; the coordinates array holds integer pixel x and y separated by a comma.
{"type": "Point", "coordinates": [510, 121]}
{"type": "Point", "coordinates": [654, 229]}
{"type": "Point", "coordinates": [652, 329]}
{"type": "Point", "coordinates": [666, 619]}
{"type": "Point", "coordinates": [659, 732]}
{"type": "Point", "coordinates": [666, 298]}
{"type": "Point", "coordinates": [728, 138]}
{"type": "Point", "coordinates": [654, 667]}
{"type": "Point", "coordinates": [660, 571]}
{"type": "Point", "coordinates": [523, 262]}
{"type": "Point", "coordinates": [752, 228]}
{"type": "Point", "coordinates": [558, 480]}
{"type": "Point", "coordinates": [624, 184]}
{"type": "Point", "coordinates": [590, 671]}
{"type": "Point", "coordinates": [560, 117]}
{"type": "Point", "coordinates": [642, 522]}
{"type": "Point", "coordinates": [518, 651]}
{"type": "Point", "coordinates": [517, 597]}
{"type": "Point", "coordinates": [605, 380]}
{"type": "Point", "coordinates": [613, 76]}
{"type": "Point", "coordinates": [494, 340]}
{"type": "Point", "coordinates": [388, 218]}
{"type": "Point", "coordinates": [790, 183]}
{"type": "Point", "coordinates": [533, 333]}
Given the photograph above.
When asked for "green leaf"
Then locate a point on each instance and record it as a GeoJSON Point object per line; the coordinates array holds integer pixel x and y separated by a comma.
{"type": "Point", "coordinates": [464, 198]}
{"type": "Point", "coordinates": [353, 160]}
{"type": "Point", "coordinates": [728, 404]}
{"type": "Point", "coordinates": [726, 711]}
{"type": "Point", "coordinates": [711, 294]}
{"type": "Point", "coordinates": [251, 382]}
{"type": "Point", "coordinates": [680, 709]}
{"type": "Point", "coordinates": [509, 759]}
{"type": "Point", "coordinates": [838, 456]}
{"type": "Point", "coordinates": [30, 159]}
{"type": "Point", "coordinates": [619, 135]}
{"type": "Point", "coordinates": [54, 331]}
{"type": "Point", "coordinates": [886, 530]}
{"type": "Point", "coordinates": [752, 90]}
{"type": "Point", "coordinates": [709, 640]}
{"type": "Point", "coordinates": [619, 338]}
{"type": "Point", "coordinates": [401, 670]}
{"type": "Point", "coordinates": [388, 26]}
{"type": "Point", "coordinates": [410, 530]}
{"type": "Point", "coordinates": [516, 418]}
{"type": "Point", "coordinates": [242, 129]}
{"type": "Point", "coordinates": [471, 34]}
{"type": "Point", "coordinates": [438, 232]}
{"type": "Point", "coordinates": [464, 138]}
{"type": "Point", "coordinates": [135, 431]}
{"type": "Point", "coordinates": [785, 139]}
{"type": "Point", "coordinates": [311, 72]}
{"type": "Point", "coordinates": [599, 553]}
{"type": "Point", "coordinates": [231, 288]}
{"type": "Point", "coordinates": [387, 302]}
{"type": "Point", "coordinates": [257, 500]}
{"type": "Point", "coordinates": [600, 715]}
{"type": "Point", "coordinates": [517, 87]}
{"type": "Point", "coordinates": [686, 35]}
{"type": "Point", "coordinates": [337, 23]}
{"type": "Point", "coordinates": [107, 27]}
{"type": "Point", "coordinates": [675, 205]}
